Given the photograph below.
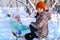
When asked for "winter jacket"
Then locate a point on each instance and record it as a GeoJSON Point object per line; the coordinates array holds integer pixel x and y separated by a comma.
{"type": "Point", "coordinates": [16, 26]}
{"type": "Point", "coordinates": [41, 24]}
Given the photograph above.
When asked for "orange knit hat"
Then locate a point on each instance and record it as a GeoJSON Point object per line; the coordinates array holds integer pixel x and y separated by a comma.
{"type": "Point", "coordinates": [40, 4]}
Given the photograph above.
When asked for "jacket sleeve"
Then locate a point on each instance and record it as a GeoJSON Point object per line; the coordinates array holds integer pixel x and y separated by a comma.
{"type": "Point", "coordinates": [33, 24]}
{"type": "Point", "coordinates": [42, 23]}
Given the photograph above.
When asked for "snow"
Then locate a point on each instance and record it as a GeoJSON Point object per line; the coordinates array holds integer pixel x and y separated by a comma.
{"type": "Point", "coordinates": [53, 24]}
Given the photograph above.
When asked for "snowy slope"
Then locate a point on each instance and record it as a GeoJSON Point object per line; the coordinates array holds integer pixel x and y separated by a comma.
{"type": "Point", "coordinates": [5, 32]}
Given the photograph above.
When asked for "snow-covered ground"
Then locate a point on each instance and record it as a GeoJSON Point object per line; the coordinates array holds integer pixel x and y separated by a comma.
{"type": "Point", "coordinates": [5, 32]}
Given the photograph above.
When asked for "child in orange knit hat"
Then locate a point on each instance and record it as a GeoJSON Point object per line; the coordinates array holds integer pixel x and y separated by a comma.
{"type": "Point", "coordinates": [41, 24]}
{"type": "Point", "coordinates": [40, 7]}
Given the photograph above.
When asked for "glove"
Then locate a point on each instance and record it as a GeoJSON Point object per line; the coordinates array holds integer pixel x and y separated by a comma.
{"type": "Point", "coordinates": [18, 32]}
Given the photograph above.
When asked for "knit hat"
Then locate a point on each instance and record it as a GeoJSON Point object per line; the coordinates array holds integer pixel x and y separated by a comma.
{"type": "Point", "coordinates": [40, 4]}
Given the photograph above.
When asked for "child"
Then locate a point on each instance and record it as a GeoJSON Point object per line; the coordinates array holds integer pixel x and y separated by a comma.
{"type": "Point", "coordinates": [17, 27]}
{"type": "Point", "coordinates": [40, 27]}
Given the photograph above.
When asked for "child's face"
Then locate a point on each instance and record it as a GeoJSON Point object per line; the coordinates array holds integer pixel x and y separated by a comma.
{"type": "Point", "coordinates": [17, 17]}
{"type": "Point", "coordinates": [39, 10]}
